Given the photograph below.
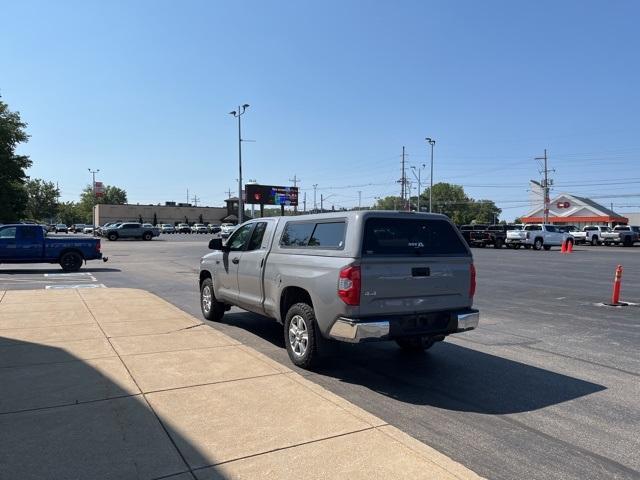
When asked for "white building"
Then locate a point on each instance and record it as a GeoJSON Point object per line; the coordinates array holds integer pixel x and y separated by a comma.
{"type": "Point", "coordinates": [567, 209]}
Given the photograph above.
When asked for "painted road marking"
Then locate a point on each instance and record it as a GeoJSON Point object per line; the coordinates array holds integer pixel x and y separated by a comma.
{"type": "Point", "coordinates": [81, 285]}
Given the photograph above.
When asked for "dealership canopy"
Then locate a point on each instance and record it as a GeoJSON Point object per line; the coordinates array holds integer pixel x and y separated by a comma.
{"type": "Point", "coordinates": [569, 209]}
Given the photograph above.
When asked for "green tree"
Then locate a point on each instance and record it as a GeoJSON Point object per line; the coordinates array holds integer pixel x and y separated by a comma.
{"type": "Point", "coordinates": [13, 195]}
{"type": "Point", "coordinates": [452, 200]}
{"type": "Point", "coordinates": [112, 196]}
{"type": "Point", "coordinates": [388, 203]}
{"type": "Point", "coordinates": [485, 211]}
{"type": "Point", "coordinates": [69, 213]}
{"type": "Point", "coordinates": [42, 202]}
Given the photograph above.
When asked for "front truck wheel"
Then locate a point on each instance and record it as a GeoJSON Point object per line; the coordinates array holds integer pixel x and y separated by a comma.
{"type": "Point", "coordinates": [301, 335]}
{"type": "Point", "coordinates": [71, 261]}
{"type": "Point", "coordinates": [415, 344]}
{"type": "Point", "coordinates": [211, 308]}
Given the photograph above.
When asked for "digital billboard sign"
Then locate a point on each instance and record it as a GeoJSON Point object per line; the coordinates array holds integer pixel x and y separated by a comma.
{"type": "Point", "coordinates": [271, 195]}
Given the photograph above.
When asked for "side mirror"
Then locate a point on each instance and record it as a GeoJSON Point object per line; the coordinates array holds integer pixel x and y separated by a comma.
{"type": "Point", "coordinates": [215, 244]}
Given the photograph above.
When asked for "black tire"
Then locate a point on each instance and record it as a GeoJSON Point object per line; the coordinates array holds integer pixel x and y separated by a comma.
{"type": "Point", "coordinates": [71, 261]}
{"type": "Point", "coordinates": [527, 247]}
{"type": "Point", "coordinates": [594, 241]}
{"type": "Point", "coordinates": [627, 242]}
{"type": "Point", "coordinates": [112, 236]}
{"type": "Point", "coordinates": [497, 243]}
{"type": "Point", "coordinates": [415, 344]}
{"type": "Point", "coordinates": [516, 246]}
{"type": "Point", "coordinates": [301, 339]}
{"type": "Point", "coordinates": [547, 247]}
{"type": "Point", "coordinates": [211, 308]}
{"type": "Point", "coordinates": [537, 244]}
{"type": "Point", "coordinates": [147, 236]}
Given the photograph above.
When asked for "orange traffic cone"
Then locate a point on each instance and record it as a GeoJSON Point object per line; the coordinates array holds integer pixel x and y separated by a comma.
{"type": "Point", "coordinates": [563, 249]}
{"type": "Point", "coordinates": [569, 246]}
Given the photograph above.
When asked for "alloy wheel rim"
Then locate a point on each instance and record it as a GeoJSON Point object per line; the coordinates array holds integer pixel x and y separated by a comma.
{"type": "Point", "coordinates": [206, 298]}
{"type": "Point", "coordinates": [298, 335]}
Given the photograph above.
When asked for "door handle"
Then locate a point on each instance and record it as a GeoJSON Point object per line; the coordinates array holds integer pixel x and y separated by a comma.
{"type": "Point", "coordinates": [236, 260]}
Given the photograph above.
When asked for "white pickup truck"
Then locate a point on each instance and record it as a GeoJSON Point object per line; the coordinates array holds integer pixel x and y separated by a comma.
{"type": "Point", "coordinates": [593, 234]}
{"type": "Point", "coordinates": [537, 236]}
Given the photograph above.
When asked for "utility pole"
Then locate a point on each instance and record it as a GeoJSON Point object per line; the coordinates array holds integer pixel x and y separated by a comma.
{"type": "Point", "coordinates": [228, 192]}
{"type": "Point", "coordinates": [305, 202]}
{"type": "Point", "coordinates": [545, 187]}
{"type": "Point", "coordinates": [93, 203]}
{"type": "Point", "coordinates": [431, 142]}
{"type": "Point", "coordinates": [359, 199]}
{"type": "Point", "coordinates": [238, 113]}
{"type": "Point", "coordinates": [315, 204]}
{"type": "Point", "coordinates": [418, 177]}
{"type": "Point", "coordinates": [295, 181]}
{"type": "Point", "coordinates": [195, 200]}
{"type": "Point", "coordinates": [187, 196]}
{"type": "Point", "coordinates": [402, 181]}
{"type": "Point", "coordinates": [321, 202]}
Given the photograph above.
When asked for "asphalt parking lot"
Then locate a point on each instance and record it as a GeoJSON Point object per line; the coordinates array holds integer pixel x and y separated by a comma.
{"type": "Point", "coordinates": [546, 387]}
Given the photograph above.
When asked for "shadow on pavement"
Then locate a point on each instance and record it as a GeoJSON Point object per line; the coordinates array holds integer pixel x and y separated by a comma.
{"type": "Point", "coordinates": [28, 271]}
{"type": "Point", "coordinates": [63, 417]}
{"type": "Point", "coordinates": [448, 376]}
{"type": "Point", "coordinates": [455, 378]}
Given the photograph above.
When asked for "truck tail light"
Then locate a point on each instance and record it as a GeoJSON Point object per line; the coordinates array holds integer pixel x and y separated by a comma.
{"type": "Point", "coordinates": [472, 283]}
{"type": "Point", "coordinates": [349, 285]}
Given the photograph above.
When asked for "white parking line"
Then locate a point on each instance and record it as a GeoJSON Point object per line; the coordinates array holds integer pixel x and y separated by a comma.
{"type": "Point", "coordinates": [81, 285]}
{"type": "Point", "coordinates": [66, 276]}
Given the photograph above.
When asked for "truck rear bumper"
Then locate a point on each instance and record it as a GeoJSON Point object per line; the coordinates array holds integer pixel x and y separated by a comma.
{"type": "Point", "coordinates": [438, 323]}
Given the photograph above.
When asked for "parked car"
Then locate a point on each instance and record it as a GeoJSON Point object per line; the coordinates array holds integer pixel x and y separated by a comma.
{"type": "Point", "coordinates": [199, 228]}
{"type": "Point", "coordinates": [76, 228]}
{"type": "Point", "coordinates": [61, 228]}
{"type": "Point", "coordinates": [167, 228]}
{"type": "Point", "coordinates": [132, 230]}
{"type": "Point", "coordinates": [21, 243]}
{"type": "Point", "coordinates": [87, 229]}
{"type": "Point", "coordinates": [226, 229]}
{"type": "Point", "coordinates": [622, 234]}
{"type": "Point", "coordinates": [349, 276]}
{"type": "Point", "coordinates": [214, 229]}
{"type": "Point", "coordinates": [493, 235]}
{"type": "Point", "coordinates": [568, 229]}
{"type": "Point", "coordinates": [183, 228]}
{"type": "Point", "coordinates": [591, 234]}
{"type": "Point", "coordinates": [468, 233]}
{"type": "Point", "coordinates": [537, 236]}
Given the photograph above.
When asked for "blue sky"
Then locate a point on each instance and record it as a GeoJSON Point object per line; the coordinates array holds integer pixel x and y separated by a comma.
{"type": "Point", "coordinates": [141, 90]}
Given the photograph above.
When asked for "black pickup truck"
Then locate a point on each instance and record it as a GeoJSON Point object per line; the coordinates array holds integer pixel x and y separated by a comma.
{"type": "Point", "coordinates": [485, 235]}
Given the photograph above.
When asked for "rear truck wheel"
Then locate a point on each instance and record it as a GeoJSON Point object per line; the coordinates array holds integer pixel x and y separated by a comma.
{"type": "Point", "coordinates": [112, 236]}
{"type": "Point", "coordinates": [547, 247]}
{"type": "Point", "coordinates": [211, 308]}
{"type": "Point", "coordinates": [594, 241]}
{"type": "Point", "coordinates": [147, 236]}
{"type": "Point", "coordinates": [301, 335]}
{"type": "Point", "coordinates": [537, 244]}
{"type": "Point", "coordinates": [516, 246]}
{"type": "Point", "coordinates": [415, 344]}
{"type": "Point", "coordinates": [71, 261]}
{"type": "Point", "coordinates": [497, 243]}
{"type": "Point", "coordinates": [527, 247]}
{"type": "Point", "coordinates": [628, 242]}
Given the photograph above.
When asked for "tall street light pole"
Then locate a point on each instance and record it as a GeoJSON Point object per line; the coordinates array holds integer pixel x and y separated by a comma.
{"type": "Point", "coordinates": [238, 113]}
{"type": "Point", "coordinates": [93, 203]}
{"type": "Point", "coordinates": [432, 143]}
{"type": "Point", "coordinates": [418, 177]}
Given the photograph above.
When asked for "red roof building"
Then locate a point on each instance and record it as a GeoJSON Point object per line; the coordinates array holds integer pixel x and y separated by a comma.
{"type": "Point", "coordinates": [568, 209]}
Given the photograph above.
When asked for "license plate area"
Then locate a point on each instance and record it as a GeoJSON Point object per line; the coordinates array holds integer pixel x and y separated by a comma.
{"type": "Point", "coordinates": [436, 322]}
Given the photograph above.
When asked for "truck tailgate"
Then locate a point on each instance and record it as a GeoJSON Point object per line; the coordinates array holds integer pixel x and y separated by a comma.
{"type": "Point", "coordinates": [414, 285]}
{"type": "Point", "coordinates": [413, 266]}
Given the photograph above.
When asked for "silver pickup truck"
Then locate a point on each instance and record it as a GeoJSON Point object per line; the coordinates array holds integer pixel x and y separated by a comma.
{"type": "Point", "coordinates": [349, 276]}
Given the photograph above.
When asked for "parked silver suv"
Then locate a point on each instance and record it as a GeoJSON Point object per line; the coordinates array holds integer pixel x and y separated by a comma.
{"type": "Point", "coordinates": [349, 276]}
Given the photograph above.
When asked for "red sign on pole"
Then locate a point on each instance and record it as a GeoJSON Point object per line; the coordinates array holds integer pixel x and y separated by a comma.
{"type": "Point", "coordinates": [98, 189]}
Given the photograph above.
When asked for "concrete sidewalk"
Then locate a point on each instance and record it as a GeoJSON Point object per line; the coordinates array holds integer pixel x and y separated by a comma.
{"type": "Point", "coordinates": [117, 383]}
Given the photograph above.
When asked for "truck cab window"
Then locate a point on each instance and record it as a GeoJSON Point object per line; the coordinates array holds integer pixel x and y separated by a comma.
{"type": "Point", "coordinates": [257, 236]}
{"type": "Point", "coordinates": [8, 233]}
{"type": "Point", "coordinates": [240, 238]}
